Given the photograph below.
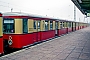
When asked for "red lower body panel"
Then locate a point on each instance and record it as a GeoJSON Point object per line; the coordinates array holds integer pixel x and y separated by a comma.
{"type": "Point", "coordinates": [84, 26]}
{"type": "Point", "coordinates": [62, 31]}
{"type": "Point", "coordinates": [1, 45]}
{"type": "Point", "coordinates": [47, 34]}
{"type": "Point", "coordinates": [77, 28]}
{"type": "Point", "coordinates": [59, 32]}
{"type": "Point", "coordinates": [20, 40]}
{"type": "Point", "coordinates": [74, 28]}
{"type": "Point", "coordinates": [39, 36]}
{"type": "Point", "coordinates": [80, 27]}
{"type": "Point", "coordinates": [69, 29]}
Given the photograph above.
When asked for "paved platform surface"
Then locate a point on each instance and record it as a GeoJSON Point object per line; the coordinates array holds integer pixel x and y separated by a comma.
{"type": "Point", "coordinates": [73, 46]}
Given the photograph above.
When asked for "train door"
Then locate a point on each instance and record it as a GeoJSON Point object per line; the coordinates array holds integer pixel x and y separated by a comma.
{"type": "Point", "coordinates": [61, 25]}
{"type": "Point", "coordinates": [75, 27]}
{"type": "Point", "coordinates": [66, 27]}
{"type": "Point", "coordinates": [38, 37]}
{"type": "Point", "coordinates": [56, 28]}
{"type": "Point", "coordinates": [72, 26]}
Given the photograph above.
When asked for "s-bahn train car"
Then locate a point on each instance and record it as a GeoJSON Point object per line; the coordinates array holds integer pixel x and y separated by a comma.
{"type": "Point", "coordinates": [1, 34]}
{"type": "Point", "coordinates": [21, 30]}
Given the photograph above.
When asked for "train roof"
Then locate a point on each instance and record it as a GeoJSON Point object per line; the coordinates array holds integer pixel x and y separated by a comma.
{"type": "Point", "coordinates": [15, 13]}
{"type": "Point", "coordinates": [25, 15]}
{"type": "Point", "coordinates": [31, 16]}
{"type": "Point", "coordinates": [22, 15]}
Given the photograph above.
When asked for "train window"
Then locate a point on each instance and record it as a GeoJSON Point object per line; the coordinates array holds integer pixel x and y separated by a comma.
{"type": "Point", "coordinates": [25, 26]}
{"type": "Point", "coordinates": [51, 25]}
{"type": "Point", "coordinates": [8, 25]}
{"type": "Point", "coordinates": [46, 25]}
{"type": "Point", "coordinates": [61, 25]}
{"type": "Point", "coordinates": [77, 24]}
{"type": "Point", "coordinates": [73, 24]}
{"type": "Point", "coordinates": [34, 24]}
{"type": "Point", "coordinates": [69, 24]}
{"type": "Point", "coordinates": [56, 25]}
{"type": "Point", "coordinates": [38, 24]}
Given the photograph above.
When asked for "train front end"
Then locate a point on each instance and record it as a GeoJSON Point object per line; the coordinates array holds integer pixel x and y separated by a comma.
{"type": "Point", "coordinates": [12, 30]}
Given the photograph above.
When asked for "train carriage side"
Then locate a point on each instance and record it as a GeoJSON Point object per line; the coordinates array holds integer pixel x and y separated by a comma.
{"type": "Point", "coordinates": [56, 28]}
{"type": "Point", "coordinates": [66, 27]}
{"type": "Point", "coordinates": [14, 32]}
{"type": "Point", "coordinates": [20, 31]}
{"type": "Point", "coordinates": [69, 26]}
{"type": "Point", "coordinates": [79, 25]}
{"type": "Point", "coordinates": [73, 26]}
{"type": "Point", "coordinates": [59, 28]}
{"type": "Point", "coordinates": [1, 35]}
{"type": "Point", "coordinates": [84, 25]}
{"type": "Point", "coordinates": [63, 27]}
{"type": "Point", "coordinates": [47, 29]}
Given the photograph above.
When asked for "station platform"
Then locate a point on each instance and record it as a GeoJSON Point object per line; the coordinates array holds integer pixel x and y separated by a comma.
{"type": "Point", "coordinates": [72, 46]}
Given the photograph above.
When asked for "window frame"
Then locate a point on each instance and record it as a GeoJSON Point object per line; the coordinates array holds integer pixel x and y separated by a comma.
{"type": "Point", "coordinates": [61, 25]}
{"type": "Point", "coordinates": [23, 25]}
{"type": "Point", "coordinates": [46, 27]}
{"type": "Point", "coordinates": [34, 24]}
{"type": "Point", "coordinates": [38, 26]}
{"type": "Point", "coordinates": [56, 24]}
{"type": "Point", "coordinates": [51, 25]}
{"type": "Point", "coordinates": [6, 24]}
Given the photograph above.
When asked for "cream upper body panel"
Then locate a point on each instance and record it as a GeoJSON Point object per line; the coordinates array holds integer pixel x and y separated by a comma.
{"type": "Point", "coordinates": [18, 26]}
{"type": "Point", "coordinates": [1, 26]}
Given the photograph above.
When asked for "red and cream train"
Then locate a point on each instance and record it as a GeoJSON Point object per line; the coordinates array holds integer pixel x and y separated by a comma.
{"type": "Point", "coordinates": [18, 30]}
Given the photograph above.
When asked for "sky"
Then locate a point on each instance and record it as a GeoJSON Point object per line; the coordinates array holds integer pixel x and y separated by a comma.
{"type": "Point", "coordinates": [61, 9]}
